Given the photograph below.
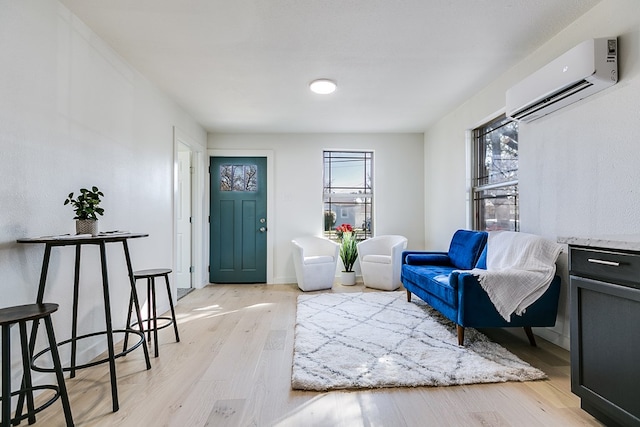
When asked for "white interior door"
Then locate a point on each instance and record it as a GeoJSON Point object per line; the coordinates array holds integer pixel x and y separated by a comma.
{"type": "Point", "coordinates": [183, 235]}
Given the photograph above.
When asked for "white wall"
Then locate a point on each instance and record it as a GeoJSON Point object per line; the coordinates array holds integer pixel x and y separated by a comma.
{"type": "Point", "coordinates": [578, 167]}
{"type": "Point", "coordinates": [74, 114]}
{"type": "Point", "coordinates": [298, 206]}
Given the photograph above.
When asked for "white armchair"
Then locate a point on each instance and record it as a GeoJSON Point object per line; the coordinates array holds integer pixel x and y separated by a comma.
{"type": "Point", "coordinates": [315, 260]}
{"type": "Point", "coordinates": [381, 261]}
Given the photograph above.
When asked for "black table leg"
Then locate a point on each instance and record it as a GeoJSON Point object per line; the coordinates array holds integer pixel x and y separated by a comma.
{"type": "Point", "coordinates": [128, 324]}
{"type": "Point", "coordinates": [107, 315]}
{"type": "Point", "coordinates": [43, 279]}
{"type": "Point", "coordinates": [62, 387]}
{"type": "Point", "coordinates": [6, 375]}
{"type": "Point", "coordinates": [43, 273]}
{"type": "Point", "coordinates": [74, 324]}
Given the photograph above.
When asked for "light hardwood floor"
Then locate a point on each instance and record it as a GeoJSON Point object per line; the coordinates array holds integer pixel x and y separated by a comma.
{"type": "Point", "coordinates": [233, 368]}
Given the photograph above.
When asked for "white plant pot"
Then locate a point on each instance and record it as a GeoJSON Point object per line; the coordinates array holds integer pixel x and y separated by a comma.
{"type": "Point", "coordinates": [87, 226]}
{"type": "Point", "coordinates": [348, 278]}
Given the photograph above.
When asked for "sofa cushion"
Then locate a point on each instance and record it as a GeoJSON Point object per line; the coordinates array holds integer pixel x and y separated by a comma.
{"type": "Point", "coordinates": [465, 248]}
{"type": "Point", "coordinates": [433, 279]}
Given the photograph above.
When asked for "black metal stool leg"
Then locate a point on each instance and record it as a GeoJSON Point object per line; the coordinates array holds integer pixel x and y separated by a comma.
{"type": "Point", "coordinates": [173, 311]}
{"type": "Point", "coordinates": [136, 302]}
{"type": "Point", "coordinates": [34, 328]}
{"type": "Point", "coordinates": [155, 317]}
{"type": "Point", "coordinates": [21, 315]}
{"type": "Point", "coordinates": [149, 311]}
{"type": "Point", "coordinates": [62, 388]}
{"type": "Point", "coordinates": [152, 305]}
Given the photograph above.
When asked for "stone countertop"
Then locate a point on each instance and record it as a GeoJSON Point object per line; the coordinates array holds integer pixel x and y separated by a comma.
{"type": "Point", "coordinates": [628, 242]}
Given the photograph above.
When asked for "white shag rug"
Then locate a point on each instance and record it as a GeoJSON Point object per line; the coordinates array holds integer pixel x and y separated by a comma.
{"type": "Point", "coordinates": [378, 339]}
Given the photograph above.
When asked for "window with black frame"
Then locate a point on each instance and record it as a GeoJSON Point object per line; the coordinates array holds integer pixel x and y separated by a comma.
{"type": "Point", "coordinates": [495, 176]}
{"type": "Point", "coordinates": [348, 192]}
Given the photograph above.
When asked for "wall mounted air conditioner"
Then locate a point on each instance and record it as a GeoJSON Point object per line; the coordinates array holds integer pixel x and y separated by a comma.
{"type": "Point", "coordinates": [582, 71]}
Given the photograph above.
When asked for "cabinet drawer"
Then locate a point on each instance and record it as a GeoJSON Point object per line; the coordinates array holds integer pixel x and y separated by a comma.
{"type": "Point", "coordinates": [622, 268]}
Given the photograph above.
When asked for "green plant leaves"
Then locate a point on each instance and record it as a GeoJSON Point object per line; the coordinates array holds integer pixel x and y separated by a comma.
{"type": "Point", "coordinates": [348, 250]}
{"type": "Point", "coordinates": [86, 204]}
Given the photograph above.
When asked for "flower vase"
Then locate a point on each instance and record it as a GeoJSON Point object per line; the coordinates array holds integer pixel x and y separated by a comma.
{"type": "Point", "coordinates": [87, 226]}
{"type": "Point", "coordinates": [348, 278]}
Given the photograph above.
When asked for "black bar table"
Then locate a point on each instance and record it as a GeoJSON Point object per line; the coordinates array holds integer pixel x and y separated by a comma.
{"type": "Point", "coordinates": [78, 241]}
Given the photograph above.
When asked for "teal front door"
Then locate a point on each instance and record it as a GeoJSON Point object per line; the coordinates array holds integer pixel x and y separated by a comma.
{"type": "Point", "coordinates": [238, 222]}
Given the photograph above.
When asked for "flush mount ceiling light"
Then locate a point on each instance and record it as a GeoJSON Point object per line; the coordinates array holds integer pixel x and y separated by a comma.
{"type": "Point", "coordinates": [322, 86]}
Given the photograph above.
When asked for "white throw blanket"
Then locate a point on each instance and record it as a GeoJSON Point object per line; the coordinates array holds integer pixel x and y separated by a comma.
{"type": "Point", "coordinates": [520, 267]}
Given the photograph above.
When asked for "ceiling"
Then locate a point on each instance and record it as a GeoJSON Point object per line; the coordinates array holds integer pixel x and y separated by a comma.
{"type": "Point", "coordinates": [400, 65]}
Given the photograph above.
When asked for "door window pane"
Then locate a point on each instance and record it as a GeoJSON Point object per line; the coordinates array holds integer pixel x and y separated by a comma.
{"type": "Point", "coordinates": [239, 178]}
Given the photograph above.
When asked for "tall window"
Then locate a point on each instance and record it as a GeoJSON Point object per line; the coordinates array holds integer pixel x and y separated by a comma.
{"type": "Point", "coordinates": [348, 192]}
{"type": "Point", "coordinates": [495, 177]}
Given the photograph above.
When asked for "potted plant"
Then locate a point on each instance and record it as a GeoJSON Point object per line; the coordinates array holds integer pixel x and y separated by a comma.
{"type": "Point", "coordinates": [348, 253]}
{"type": "Point", "coordinates": [86, 208]}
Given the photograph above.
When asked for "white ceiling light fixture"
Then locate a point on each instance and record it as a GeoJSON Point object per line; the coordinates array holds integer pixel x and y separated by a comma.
{"type": "Point", "coordinates": [322, 86]}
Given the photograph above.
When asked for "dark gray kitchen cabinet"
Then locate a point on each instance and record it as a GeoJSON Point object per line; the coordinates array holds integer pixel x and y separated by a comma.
{"type": "Point", "coordinates": [605, 332]}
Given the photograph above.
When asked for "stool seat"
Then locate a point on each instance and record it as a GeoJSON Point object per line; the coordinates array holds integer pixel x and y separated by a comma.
{"type": "Point", "coordinates": [24, 313]}
{"type": "Point", "coordinates": [152, 272]}
{"type": "Point", "coordinates": [152, 315]}
{"type": "Point", "coordinates": [20, 315]}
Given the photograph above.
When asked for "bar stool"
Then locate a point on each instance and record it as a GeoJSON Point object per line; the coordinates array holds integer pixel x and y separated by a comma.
{"type": "Point", "coordinates": [152, 320]}
{"type": "Point", "coordinates": [21, 315]}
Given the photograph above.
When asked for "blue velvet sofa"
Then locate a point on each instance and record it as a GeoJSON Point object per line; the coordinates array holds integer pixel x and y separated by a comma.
{"type": "Point", "coordinates": [458, 295]}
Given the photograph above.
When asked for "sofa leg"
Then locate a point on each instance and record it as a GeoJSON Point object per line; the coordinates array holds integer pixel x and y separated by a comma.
{"type": "Point", "coordinates": [408, 296]}
{"type": "Point", "coordinates": [460, 335]}
{"type": "Point", "coordinates": [532, 338]}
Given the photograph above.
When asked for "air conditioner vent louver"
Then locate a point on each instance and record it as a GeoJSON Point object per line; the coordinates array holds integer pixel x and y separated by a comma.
{"type": "Point", "coordinates": [584, 70]}
{"type": "Point", "coordinates": [546, 102]}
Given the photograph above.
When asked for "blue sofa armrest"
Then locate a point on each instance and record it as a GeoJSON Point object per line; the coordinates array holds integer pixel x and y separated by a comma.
{"type": "Point", "coordinates": [476, 310]}
{"type": "Point", "coordinates": [425, 258]}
